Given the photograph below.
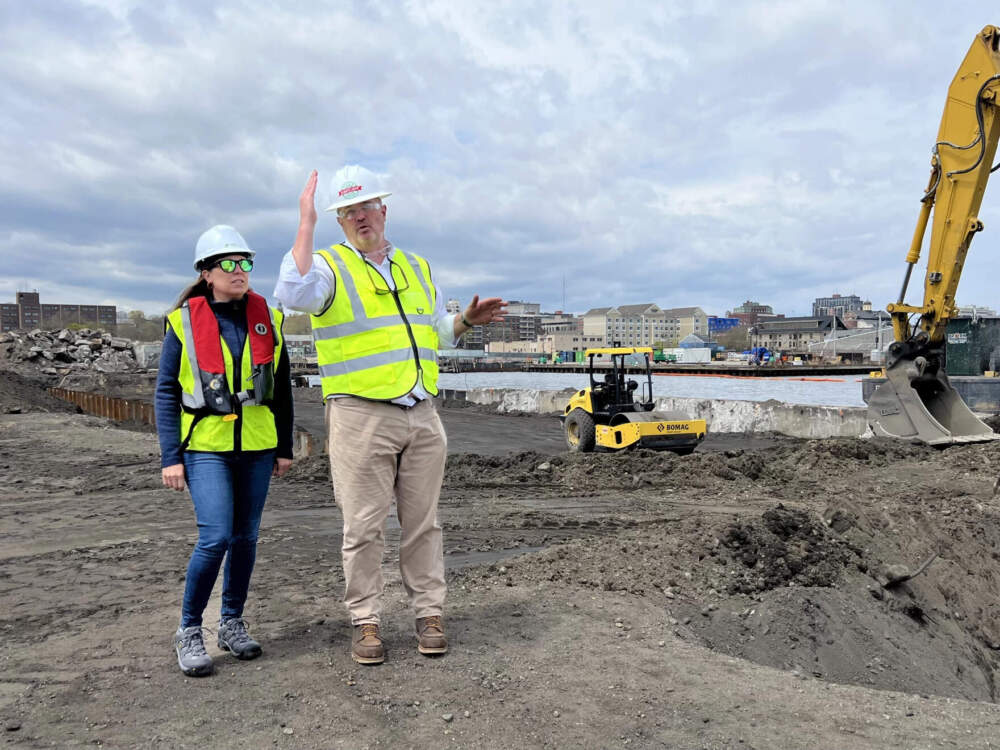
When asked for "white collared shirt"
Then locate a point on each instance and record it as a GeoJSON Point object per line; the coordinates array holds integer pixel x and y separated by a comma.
{"type": "Point", "coordinates": [314, 291]}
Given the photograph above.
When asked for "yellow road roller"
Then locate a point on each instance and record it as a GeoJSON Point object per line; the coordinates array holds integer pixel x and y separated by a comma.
{"type": "Point", "coordinates": [614, 413]}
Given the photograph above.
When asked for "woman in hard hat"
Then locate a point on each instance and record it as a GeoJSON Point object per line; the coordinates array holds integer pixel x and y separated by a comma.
{"type": "Point", "coordinates": [224, 417]}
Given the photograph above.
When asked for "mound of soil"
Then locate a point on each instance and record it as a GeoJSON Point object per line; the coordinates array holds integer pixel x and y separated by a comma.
{"type": "Point", "coordinates": [784, 547]}
{"type": "Point", "coordinates": [21, 395]}
{"type": "Point", "coordinates": [118, 384]}
{"type": "Point", "coordinates": [782, 556]}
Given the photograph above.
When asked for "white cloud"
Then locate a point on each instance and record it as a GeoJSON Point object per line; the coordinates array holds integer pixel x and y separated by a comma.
{"type": "Point", "coordinates": [694, 153]}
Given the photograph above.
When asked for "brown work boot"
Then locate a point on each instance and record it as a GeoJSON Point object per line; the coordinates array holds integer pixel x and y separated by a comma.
{"type": "Point", "coordinates": [430, 635]}
{"type": "Point", "coordinates": [367, 647]}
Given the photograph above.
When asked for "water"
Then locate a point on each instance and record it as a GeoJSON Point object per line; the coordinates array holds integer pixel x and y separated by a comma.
{"type": "Point", "coordinates": [841, 391]}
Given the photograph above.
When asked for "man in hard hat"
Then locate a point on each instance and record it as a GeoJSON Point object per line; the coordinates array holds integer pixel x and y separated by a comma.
{"type": "Point", "coordinates": [377, 320]}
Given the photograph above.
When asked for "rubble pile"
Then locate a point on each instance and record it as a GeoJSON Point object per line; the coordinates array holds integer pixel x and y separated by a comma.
{"type": "Point", "coordinates": [59, 353]}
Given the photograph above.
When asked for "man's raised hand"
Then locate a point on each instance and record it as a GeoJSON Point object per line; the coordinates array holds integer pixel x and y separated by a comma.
{"type": "Point", "coordinates": [307, 201]}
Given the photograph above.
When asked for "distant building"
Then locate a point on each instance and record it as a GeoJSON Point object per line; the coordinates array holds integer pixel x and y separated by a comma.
{"type": "Point", "coordinates": [301, 348]}
{"type": "Point", "coordinates": [839, 306]}
{"type": "Point", "coordinates": [687, 320]}
{"type": "Point", "coordinates": [794, 335]}
{"type": "Point", "coordinates": [474, 338]}
{"type": "Point", "coordinates": [626, 325]}
{"type": "Point", "coordinates": [635, 325]}
{"type": "Point", "coordinates": [560, 322]}
{"type": "Point", "coordinates": [548, 344]}
{"type": "Point", "coordinates": [29, 310]}
{"type": "Point", "coordinates": [10, 317]}
{"type": "Point", "coordinates": [644, 324]}
{"type": "Point", "coordinates": [595, 321]}
{"type": "Point", "coordinates": [28, 313]}
{"type": "Point", "coordinates": [872, 319]}
{"type": "Point", "coordinates": [750, 313]}
{"type": "Point", "coordinates": [522, 322]}
{"type": "Point", "coordinates": [717, 325]}
{"type": "Point", "coordinates": [516, 307]}
{"type": "Point", "coordinates": [573, 341]}
{"type": "Point", "coordinates": [976, 311]}
{"type": "Point", "coordinates": [528, 348]}
{"type": "Point", "coordinates": [692, 341]}
{"type": "Point", "coordinates": [453, 306]}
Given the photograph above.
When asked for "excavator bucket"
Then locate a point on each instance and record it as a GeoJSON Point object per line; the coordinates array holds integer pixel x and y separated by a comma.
{"type": "Point", "coordinates": [916, 404]}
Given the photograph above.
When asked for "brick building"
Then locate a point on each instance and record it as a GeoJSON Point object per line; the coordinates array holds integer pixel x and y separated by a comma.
{"type": "Point", "coordinates": [751, 313]}
{"type": "Point", "coordinates": [28, 312]}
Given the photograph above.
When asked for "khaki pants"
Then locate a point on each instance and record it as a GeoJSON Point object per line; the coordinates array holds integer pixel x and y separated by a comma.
{"type": "Point", "coordinates": [380, 452]}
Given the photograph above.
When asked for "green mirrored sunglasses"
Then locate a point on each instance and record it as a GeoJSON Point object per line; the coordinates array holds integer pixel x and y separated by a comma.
{"type": "Point", "coordinates": [229, 265]}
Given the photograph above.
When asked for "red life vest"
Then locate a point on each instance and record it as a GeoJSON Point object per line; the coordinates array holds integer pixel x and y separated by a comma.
{"type": "Point", "coordinates": [208, 340]}
{"type": "Point", "coordinates": [211, 367]}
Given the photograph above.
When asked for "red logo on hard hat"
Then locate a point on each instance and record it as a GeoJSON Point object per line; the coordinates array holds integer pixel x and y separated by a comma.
{"type": "Point", "coordinates": [351, 188]}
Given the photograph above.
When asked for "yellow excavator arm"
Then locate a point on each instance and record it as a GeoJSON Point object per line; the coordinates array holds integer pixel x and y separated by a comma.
{"type": "Point", "coordinates": [960, 167]}
{"type": "Point", "coordinates": [917, 401]}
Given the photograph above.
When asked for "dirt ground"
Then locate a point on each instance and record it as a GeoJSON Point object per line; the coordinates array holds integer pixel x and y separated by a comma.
{"type": "Point", "coordinates": [738, 597]}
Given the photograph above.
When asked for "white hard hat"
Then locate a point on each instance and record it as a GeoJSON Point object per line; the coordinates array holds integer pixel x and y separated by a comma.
{"type": "Point", "coordinates": [221, 239]}
{"type": "Point", "coordinates": [353, 184]}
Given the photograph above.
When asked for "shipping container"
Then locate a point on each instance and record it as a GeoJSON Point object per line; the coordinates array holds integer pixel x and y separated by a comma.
{"type": "Point", "coordinates": [972, 346]}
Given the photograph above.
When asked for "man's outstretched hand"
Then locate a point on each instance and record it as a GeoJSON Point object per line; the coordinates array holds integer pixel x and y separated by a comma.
{"type": "Point", "coordinates": [490, 310]}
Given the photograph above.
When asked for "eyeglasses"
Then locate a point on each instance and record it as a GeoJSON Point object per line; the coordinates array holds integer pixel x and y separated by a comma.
{"type": "Point", "coordinates": [380, 285]}
{"type": "Point", "coordinates": [229, 265]}
{"type": "Point", "coordinates": [352, 212]}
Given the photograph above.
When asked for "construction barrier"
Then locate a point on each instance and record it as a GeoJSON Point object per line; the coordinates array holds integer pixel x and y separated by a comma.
{"type": "Point", "coordinates": [102, 405]}
{"type": "Point", "coordinates": [136, 410]}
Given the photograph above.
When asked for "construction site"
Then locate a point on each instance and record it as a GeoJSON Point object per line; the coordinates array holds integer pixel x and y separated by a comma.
{"type": "Point", "coordinates": [623, 568]}
{"type": "Point", "coordinates": [764, 591]}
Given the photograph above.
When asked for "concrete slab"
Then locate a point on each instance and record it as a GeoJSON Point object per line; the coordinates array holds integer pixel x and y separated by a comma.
{"type": "Point", "coordinates": [795, 420]}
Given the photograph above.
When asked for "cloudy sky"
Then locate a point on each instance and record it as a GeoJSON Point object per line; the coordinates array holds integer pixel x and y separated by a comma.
{"type": "Point", "coordinates": [573, 154]}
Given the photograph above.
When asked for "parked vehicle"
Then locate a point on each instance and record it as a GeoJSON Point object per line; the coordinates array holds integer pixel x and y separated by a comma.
{"type": "Point", "coordinates": [611, 415]}
{"type": "Point", "coordinates": [759, 355]}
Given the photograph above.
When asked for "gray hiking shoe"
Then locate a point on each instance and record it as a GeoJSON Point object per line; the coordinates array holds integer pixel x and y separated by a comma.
{"type": "Point", "coordinates": [189, 643]}
{"type": "Point", "coordinates": [233, 637]}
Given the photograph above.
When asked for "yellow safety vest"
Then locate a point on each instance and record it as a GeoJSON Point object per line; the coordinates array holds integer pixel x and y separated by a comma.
{"type": "Point", "coordinates": [372, 342]}
{"type": "Point", "coordinates": [254, 419]}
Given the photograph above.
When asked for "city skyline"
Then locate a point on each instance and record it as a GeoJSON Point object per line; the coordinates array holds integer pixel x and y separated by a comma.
{"type": "Point", "coordinates": [123, 310]}
{"type": "Point", "coordinates": [696, 154]}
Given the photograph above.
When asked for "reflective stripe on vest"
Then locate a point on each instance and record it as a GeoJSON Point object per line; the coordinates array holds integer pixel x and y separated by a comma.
{"type": "Point", "coordinates": [208, 431]}
{"type": "Point", "coordinates": [366, 345]}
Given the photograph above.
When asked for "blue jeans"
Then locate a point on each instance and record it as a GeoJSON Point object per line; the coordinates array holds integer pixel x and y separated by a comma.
{"type": "Point", "coordinates": [228, 491]}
